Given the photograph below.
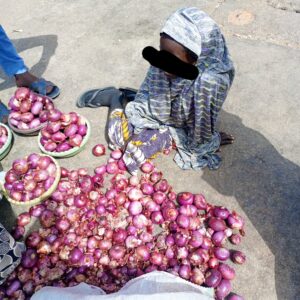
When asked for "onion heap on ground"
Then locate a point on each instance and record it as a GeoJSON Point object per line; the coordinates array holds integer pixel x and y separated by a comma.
{"type": "Point", "coordinates": [63, 132]}
{"type": "Point", "coordinates": [28, 110]}
{"type": "Point", "coordinates": [107, 228]}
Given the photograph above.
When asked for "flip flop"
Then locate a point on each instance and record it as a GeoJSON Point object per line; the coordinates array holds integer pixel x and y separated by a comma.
{"type": "Point", "coordinates": [4, 112]}
{"type": "Point", "coordinates": [40, 87]}
{"type": "Point", "coordinates": [128, 95]}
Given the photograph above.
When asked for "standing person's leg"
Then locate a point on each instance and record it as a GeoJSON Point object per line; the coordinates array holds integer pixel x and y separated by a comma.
{"type": "Point", "coordinates": [10, 61]}
{"type": "Point", "coordinates": [13, 65]}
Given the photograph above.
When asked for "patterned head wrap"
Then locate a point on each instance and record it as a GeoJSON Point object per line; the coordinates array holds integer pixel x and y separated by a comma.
{"type": "Point", "coordinates": [182, 28]}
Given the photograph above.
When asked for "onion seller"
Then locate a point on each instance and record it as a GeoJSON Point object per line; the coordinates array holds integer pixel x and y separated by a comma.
{"type": "Point", "coordinates": [179, 100]}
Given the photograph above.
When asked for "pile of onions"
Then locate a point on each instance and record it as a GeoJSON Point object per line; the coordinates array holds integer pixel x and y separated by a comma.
{"type": "Point", "coordinates": [3, 136]}
{"type": "Point", "coordinates": [105, 229]}
{"type": "Point", "coordinates": [29, 110]}
{"type": "Point", "coordinates": [63, 131]}
{"type": "Point", "coordinates": [30, 177]}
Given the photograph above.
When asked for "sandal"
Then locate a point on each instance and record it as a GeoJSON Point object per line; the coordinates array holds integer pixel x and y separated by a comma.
{"type": "Point", "coordinates": [40, 87]}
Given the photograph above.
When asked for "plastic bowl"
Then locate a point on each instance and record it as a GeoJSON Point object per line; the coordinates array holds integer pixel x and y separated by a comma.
{"type": "Point", "coordinates": [28, 132]}
{"type": "Point", "coordinates": [7, 146]}
{"type": "Point", "coordinates": [71, 152]}
{"type": "Point", "coordinates": [38, 200]}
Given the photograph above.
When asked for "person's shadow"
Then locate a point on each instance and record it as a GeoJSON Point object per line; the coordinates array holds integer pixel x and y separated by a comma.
{"type": "Point", "coordinates": [49, 44]}
{"type": "Point", "coordinates": [267, 187]}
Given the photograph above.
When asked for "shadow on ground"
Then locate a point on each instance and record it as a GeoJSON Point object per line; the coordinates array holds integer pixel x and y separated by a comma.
{"type": "Point", "coordinates": [49, 44]}
{"type": "Point", "coordinates": [267, 187]}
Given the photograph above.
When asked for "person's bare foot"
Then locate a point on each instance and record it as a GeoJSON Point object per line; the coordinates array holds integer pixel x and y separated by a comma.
{"type": "Point", "coordinates": [226, 138]}
{"type": "Point", "coordinates": [26, 79]}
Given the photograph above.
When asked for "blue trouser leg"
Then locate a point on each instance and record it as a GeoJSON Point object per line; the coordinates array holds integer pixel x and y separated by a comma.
{"type": "Point", "coordinates": [10, 61]}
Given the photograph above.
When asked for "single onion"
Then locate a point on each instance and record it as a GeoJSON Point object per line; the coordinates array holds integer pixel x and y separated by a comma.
{"type": "Point", "coordinates": [218, 238]}
{"type": "Point", "coordinates": [226, 271]}
{"type": "Point", "coordinates": [221, 253]}
{"type": "Point", "coordinates": [112, 168]}
{"type": "Point", "coordinates": [29, 258]}
{"type": "Point", "coordinates": [147, 167]}
{"type": "Point", "coordinates": [23, 219]}
{"type": "Point", "coordinates": [22, 93]}
{"type": "Point", "coordinates": [184, 271]}
{"type": "Point", "coordinates": [13, 286]}
{"type": "Point", "coordinates": [157, 217]}
{"type": "Point", "coordinates": [135, 208]}
{"type": "Point", "coordinates": [235, 221]}
{"type": "Point", "coordinates": [54, 115]}
{"type": "Point", "coordinates": [223, 289]}
{"type": "Point", "coordinates": [200, 201]}
{"type": "Point", "coordinates": [82, 130]}
{"type": "Point", "coordinates": [234, 296]}
{"type": "Point", "coordinates": [75, 140]}
{"type": "Point", "coordinates": [238, 257]}
{"type": "Point", "coordinates": [235, 239]}
{"type": "Point", "coordinates": [213, 278]}
{"type": "Point", "coordinates": [159, 197]}
{"type": "Point", "coordinates": [140, 221]}
{"type": "Point", "coordinates": [155, 177]}
{"type": "Point", "coordinates": [36, 107]}
{"type": "Point", "coordinates": [185, 198]}
{"type": "Point", "coordinates": [20, 166]}
{"type": "Point", "coordinates": [135, 194]}
{"type": "Point", "coordinates": [216, 224]}
{"type": "Point", "coordinates": [98, 150]}
{"type": "Point", "coordinates": [147, 188]}
{"type": "Point", "coordinates": [142, 253]}
{"type": "Point", "coordinates": [183, 221]}
{"type": "Point", "coordinates": [116, 154]}
{"type": "Point", "coordinates": [197, 276]}
{"type": "Point", "coordinates": [221, 212]}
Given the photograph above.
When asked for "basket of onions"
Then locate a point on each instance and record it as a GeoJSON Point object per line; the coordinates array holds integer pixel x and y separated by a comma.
{"type": "Point", "coordinates": [65, 136]}
{"type": "Point", "coordinates": [5, 140]}
{"type": "Point", "coordinates": [29, 111]}
{"type": "Point", "coordinates": [31, 179]}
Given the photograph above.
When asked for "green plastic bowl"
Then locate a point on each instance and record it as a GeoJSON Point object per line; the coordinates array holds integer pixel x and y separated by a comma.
{"type": "Point", "coordinates": [72, 151]}
{"type": "Point", "coordinates": [7, 146]}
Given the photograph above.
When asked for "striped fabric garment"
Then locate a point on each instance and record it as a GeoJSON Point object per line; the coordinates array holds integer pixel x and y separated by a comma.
{"type": "Point", "coordinates": [188, 108]}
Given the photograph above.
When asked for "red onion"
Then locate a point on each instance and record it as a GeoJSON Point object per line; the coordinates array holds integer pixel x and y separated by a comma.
{"type": "Point", "coordinates": [37, 210]}
{"type": "Point", "coordinates": [23, 219]}
{"type": "Point", "coordinates": [234, 297]}
{"type": "Point", "coordinates": [147, 167]}
{"type": "Point", "coordinates": [188, 210]}
{"type": "Point", "coordinates": [13, 286]}
{"type": "Point", "coordinates": [82, 130]}
{"type": "Point", "coordinates": [196, 239]}
{"type": "Point", "coordinates": [185, 198]}
{"type": "Point", "coordinates": [221, 253]}
{"type": "Point", "coordinates": [216, 224]}
{"type": "Point", "coordinates": [161, 186]}
{"type": "Point", "coordinates": [213, 278]}
{"type": "Point", "coordinates": [18, 232]}
{"type": "Point", "coordinates": [132, 242]}
{"type": "Point", "coordinates": [75, 140]}
{"type": "Point", "coordinates": [36, 108]}
{"type": "Point", "coordinates": [238, 257]}
{"type": "Point", "coordinates": [25, 106]}
{"type": "Point", "coordinates": [54, 115]}
{"type": "Point", "coordinates": [147, 188]}
{"type": "Point", "coordinates": [14, 104]}
{"type": "Point", "coordinates": [34, 123]}
{"type": "Point", "coordinates": [134, 181]}
{"type": "Point", "coordinates": [29, 259]}
{"type": "Point", "coordinates": [183, 221]}
{"type": "Point", "coordinates": [20, 166]}
{"type": "Point", "coordinates": [140, 221]}
{"type": "Point", "coordinates": [135, 208]}
{"type": "Point", "coordinates": [80, 201]}
{"type": "Point", "coordinates": [27, 117]}
{"type": "Point", "coordinates": [117, 252]}
{"type": "Point", "coordinates": [112, 168]}
{"type": "Point", "coordinates": [47, 218]}
{"type": "Point", "coordinates": [170, 213]}
{"type": "Point", "coordinates": [40, 175]}
{"type": "Point", "coordinates": [221, 212]}
{"type": "Point", "coordinates": [22, 93]}
{"type": "Point", "coordinates": [226, 271]}
{"type": "Point", "coordinates": [213, 263]}
{"type": "Point", "coordinates": [223, 289]}
{"type": "Point", "coordinates": [53, 127]}
{"type": "Point", "coordinates": [155, 177]}
{"type": "Point", "coordinates": [58, 137]}
{"type": "Point", "coordinates": [156, 258]}
{"type": "Point", "coordinates": [157, 217]}
{"type": "Point", "coordinates": [197, 276]}
{"type": "Point", "coordinates": [98, 150]}
{"type": "Point", "coordinates": [235, 221]}
{"type": "Point", "coordinates": [235, 239]}
{"type": "Point", "coordinates": [184, 271]}
{"type": "Point", "coordinates": [87, 260]}
{"type": "Point", "coordinates": [218, 238]}
{"type": "Point", "coordinates": [43, 116]}
{"type": "Point", "coordinates": [119, 235]}
{"type": "Point", "coordinates": [200, 201]}
{"type": "Point", "coordinates": [116, 154]}
{"type": "Point", "coordinates": [159, 197]}
{"type": "Point", "coordinates": [50, 146]}
{"type": "Point", "coordinates": [11, 176]}
{"type": "Point", "coordinates": [135, 194]}
{"type": "Point", "coordinates": [142, 253]}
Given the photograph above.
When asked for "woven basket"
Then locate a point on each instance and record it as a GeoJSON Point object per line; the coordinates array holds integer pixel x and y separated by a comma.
{"type": "Point", "coordinates": [74, 150]}
{"type": "Point", "coordinates": [38, 200]}
{"type": "Point", "coordinates": [6, 148]}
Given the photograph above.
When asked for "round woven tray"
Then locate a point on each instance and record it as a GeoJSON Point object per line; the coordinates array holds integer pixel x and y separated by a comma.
{"type": "Point", "coordinates": [72, 151]}
{"type": "Point", "coordinates": [38, 200]}
{"type": "Point", "coordinates": [7, 146]}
